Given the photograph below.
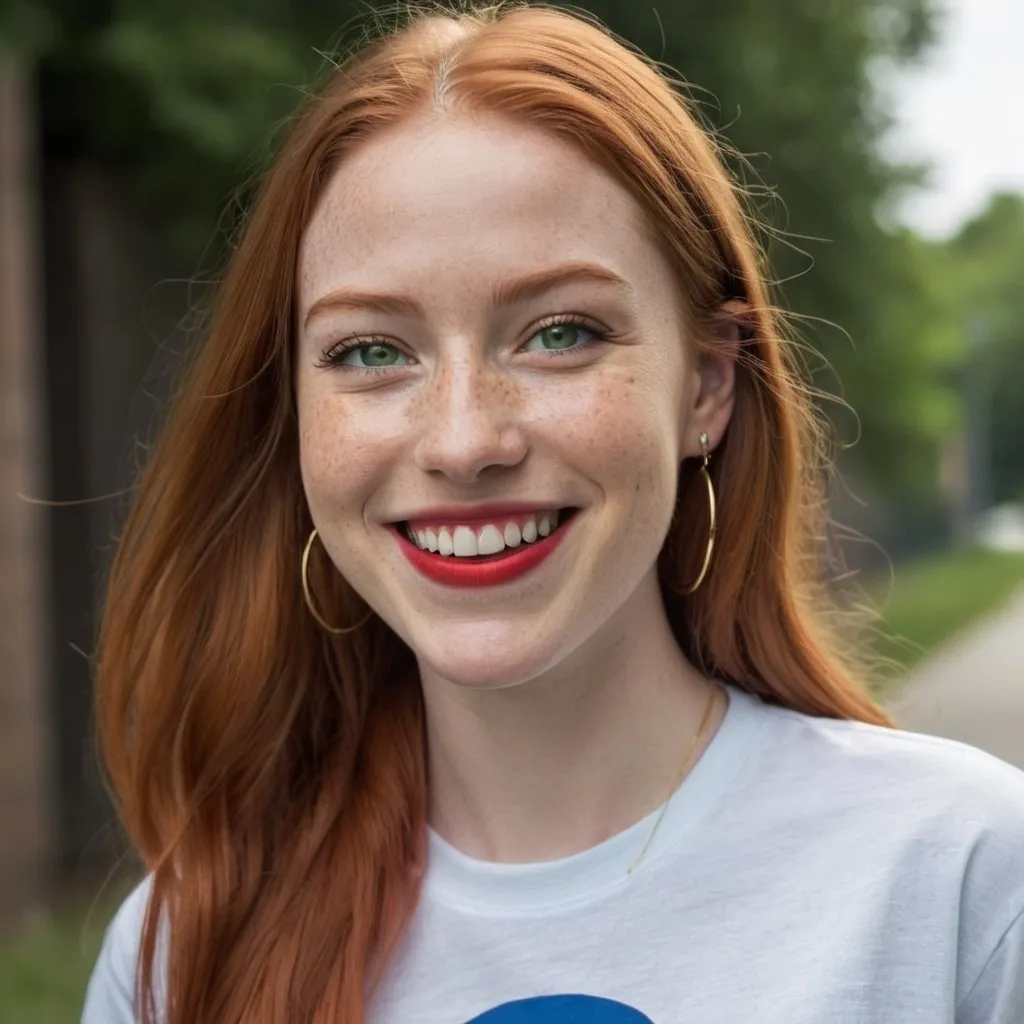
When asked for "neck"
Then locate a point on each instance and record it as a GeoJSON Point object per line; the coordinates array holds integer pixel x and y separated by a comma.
{"type": "Point", "coordinates": [551, 767]}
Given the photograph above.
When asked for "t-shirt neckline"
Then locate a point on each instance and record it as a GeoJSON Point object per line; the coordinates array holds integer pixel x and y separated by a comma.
{"type": "Point", "coordinates": [456, 879]}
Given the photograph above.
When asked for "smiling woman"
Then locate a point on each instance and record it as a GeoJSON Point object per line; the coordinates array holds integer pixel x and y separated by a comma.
{"type": "Point", "coordinates": [466, 653]}
{"type": "Point", "coordinates": [495, 385]}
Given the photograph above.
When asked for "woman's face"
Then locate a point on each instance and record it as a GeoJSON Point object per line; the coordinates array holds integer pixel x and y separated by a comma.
{"type": "Point", "coordinates": [492, 355]}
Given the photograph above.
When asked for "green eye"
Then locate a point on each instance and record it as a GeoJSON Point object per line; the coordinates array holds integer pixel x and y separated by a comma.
{"type": "Point", "coordinates": [558, 338]}
{"type": "Point", "coordinates": [371, 356]}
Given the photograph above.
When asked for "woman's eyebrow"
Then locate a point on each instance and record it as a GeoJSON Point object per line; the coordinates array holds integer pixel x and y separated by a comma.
{"type": "Point", "coordinates": [505, 294]}
{"type": "Point", "coordinates": [531, 285]}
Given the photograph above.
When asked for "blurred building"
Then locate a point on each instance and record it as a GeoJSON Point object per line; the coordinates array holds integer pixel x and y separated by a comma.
{"type": "Point", "coordinates": [80, 323]}
{"type": "Point", "coordinates": [26, 738]}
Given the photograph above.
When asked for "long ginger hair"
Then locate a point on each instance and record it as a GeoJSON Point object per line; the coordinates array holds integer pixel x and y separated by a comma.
{"type": "Point", "coordinates": [273, 777]}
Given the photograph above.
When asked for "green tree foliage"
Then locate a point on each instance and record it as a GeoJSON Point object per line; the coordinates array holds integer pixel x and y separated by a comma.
{"type": "Point", "coordinates": [979, 280]}
{"type": "Point", "coordinates": [790, 83]}
{"type": "Point", "coordinates": [25, 28]}
{"type": "Point", "coordinates": [186, 96]}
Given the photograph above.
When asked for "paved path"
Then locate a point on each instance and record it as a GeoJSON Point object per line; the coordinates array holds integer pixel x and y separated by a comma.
{"type": "Point", "coordinates": [973, 690]}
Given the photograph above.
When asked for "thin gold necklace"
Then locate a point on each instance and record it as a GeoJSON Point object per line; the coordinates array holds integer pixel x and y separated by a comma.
{"type": "Point", "coordinates": [679, 778]}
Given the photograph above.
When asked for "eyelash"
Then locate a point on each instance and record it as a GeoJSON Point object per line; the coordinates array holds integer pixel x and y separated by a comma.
{"type": "Point", "coordinates": [332, 358]}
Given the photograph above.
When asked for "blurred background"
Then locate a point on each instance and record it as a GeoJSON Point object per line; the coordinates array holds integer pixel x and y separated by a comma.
{"type": "Point", "coordinates": [883, 145]}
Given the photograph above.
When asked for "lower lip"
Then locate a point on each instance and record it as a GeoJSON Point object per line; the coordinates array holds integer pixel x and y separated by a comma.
{"type": "Point", "coordinates": [481, 572]}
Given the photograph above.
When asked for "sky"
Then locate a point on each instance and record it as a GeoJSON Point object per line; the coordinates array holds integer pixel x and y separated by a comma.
{"type": "Point", "coordinates": [962, 110]}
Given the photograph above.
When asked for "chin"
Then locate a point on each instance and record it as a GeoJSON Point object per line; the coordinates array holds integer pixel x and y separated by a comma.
{"type": "Point", "coordinates": [488, 660]}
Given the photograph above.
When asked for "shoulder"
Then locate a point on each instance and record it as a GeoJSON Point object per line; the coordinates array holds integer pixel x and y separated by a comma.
{"type": "Point", "coordinates": [941, 818]}
{"type": "Point", "coordinates": [925, 778]}
{"type": "Point", "coordinates": [111, 994]}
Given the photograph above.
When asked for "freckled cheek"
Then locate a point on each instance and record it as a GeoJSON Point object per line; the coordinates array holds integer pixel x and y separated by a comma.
{"type": "Point", "coordinates": [340, 456]}
{"type": "Point", "coordinates": [623, 438]}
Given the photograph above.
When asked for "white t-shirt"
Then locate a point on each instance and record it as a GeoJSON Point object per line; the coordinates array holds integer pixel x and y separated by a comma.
{"type": "Point", "coordinates": [807, 871]}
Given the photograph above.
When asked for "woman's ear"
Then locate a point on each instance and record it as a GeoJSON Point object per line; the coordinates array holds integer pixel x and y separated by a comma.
{"type": "Point", "coordinates": [715, 385]}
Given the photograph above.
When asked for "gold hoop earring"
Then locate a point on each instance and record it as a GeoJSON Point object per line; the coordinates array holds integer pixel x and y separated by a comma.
{"type": "Point", "coordinates": [336, 630]}
{"type": "Point", "coordinates": [712, 516]}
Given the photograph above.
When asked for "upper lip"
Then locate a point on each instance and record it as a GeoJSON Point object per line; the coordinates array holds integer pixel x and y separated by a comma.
{"type": "Point", "coordinates": [481, 513]}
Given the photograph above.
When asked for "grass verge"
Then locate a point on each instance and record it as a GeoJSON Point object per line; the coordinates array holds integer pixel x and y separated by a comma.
{"type": "Point", "coordinates": [928, 602]}
{"type": "Point", "coordinates": [45, 969]}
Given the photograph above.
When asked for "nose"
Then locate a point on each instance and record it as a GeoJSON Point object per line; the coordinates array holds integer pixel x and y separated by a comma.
{"type": "Point", "coordinates": [470, 420]}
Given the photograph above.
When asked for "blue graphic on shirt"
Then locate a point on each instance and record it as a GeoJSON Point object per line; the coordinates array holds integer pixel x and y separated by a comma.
{"type": "Point", "coordinates": [562, 1010]}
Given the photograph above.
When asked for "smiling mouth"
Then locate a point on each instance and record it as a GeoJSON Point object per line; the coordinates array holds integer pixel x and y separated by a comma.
{"type": "Point", "coordinates": [483, 554]}
{"type": "Point", "coordinates": [480, 542]}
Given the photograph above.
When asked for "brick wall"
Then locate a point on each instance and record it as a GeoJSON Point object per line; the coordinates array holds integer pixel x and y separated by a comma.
{"type": "Point", "coordinates": [26, 805]}
{"type": "Point", "coordinates": [91, 321]}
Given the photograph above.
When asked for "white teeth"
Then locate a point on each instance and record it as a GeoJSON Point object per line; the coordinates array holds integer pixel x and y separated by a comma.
{"type": "Point", "coordinates": [464, 540]}
{"type": "Point", "coordinates": [490, 541]}
{"type": "Point", "coordinates": [444, 541]}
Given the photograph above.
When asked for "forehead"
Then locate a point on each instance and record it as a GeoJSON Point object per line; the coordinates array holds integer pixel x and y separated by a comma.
{"type": "Point", "coordinates": [461, 200]}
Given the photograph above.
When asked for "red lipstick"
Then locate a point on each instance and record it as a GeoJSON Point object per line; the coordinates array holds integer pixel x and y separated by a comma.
{"type": "Point", "coordinates": [489, 571]}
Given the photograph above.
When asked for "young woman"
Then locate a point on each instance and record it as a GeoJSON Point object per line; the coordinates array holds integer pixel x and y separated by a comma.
{"type": "Point", "coordinates": [465, 655]}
